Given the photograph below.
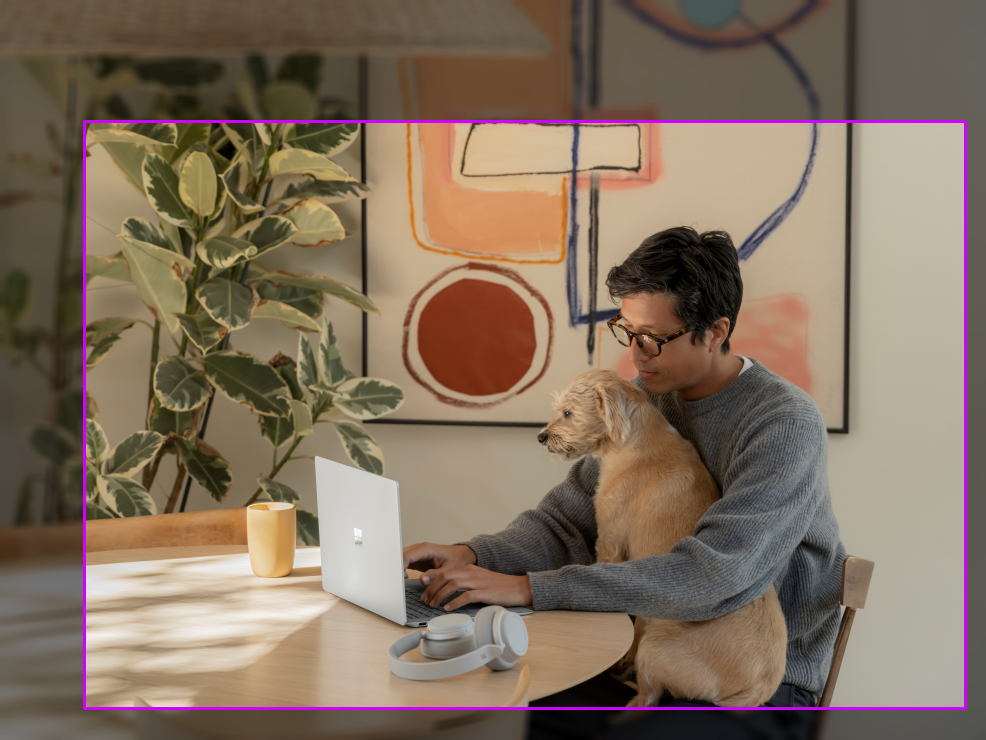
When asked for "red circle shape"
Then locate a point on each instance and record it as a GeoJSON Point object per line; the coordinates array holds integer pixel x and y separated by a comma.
{"type": "Point", "coordinates": [477, 337]}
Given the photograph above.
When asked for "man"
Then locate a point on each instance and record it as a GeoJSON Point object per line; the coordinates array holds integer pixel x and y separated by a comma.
{"type": "Point", "coordinates": [762, 438]}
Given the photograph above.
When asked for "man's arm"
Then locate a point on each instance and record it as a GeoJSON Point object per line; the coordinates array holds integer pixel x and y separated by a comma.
{"type": "Point", "coordinates": [559, 532]}
{"type": "Point", "coordinates": [738, 548]}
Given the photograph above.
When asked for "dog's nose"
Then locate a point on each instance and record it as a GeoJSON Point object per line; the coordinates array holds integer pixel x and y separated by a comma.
{"type": "Point", "coordinates": [543, 437]}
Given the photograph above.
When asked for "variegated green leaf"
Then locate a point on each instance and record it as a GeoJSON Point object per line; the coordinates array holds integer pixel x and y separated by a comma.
{"type": "Point", "coordinates": [317, 224]}
{"type": "Point", "coordinates": [178, 385]}
{"type": "Point", "coordinates": [141, 230]}
{"type": "Point", "coordinates": [165, 421]}
{"type": "Point", "coordinates": [113, 267]}
{"type": "Point", "coordinates": [324, 284]}
{"type": "Point", "coordinates": [248, 380]}
{"type": "Point", "coordinates": [16, 295]}
{"type": "Point", "coordinates": [306, 525]}
{"type": "Point", "coordinates": [97, 512]}
{"type": "Point", "coordinates": [307, 366]}
{"type": "Point", "coordinates": [306, 300]}
{"type": "Point", "coordinates": [189, 134]}
{"type": "Point", "coordinates": [304, 162]}
{"type": "Point", "coordinates": [266, 233]}
{"type": "Point", "coordinates": [145, 134]}
{"type": "Point", "coordinates": [235, 180]}
{"type": "Point", "coordinates": [369, 398]}
{"type": "Point", "coordinates": [289, 374]}
{"type": "Point", "coordinates": [288, 315]}
{"type": "Point", "coordinates": [302, 417]}
{"type": "Point", "coordinates": [238, 133]}
{"type": "Point", "coordinates": [161, 184]}
{"type": "Point", "coordinates": [132, 453]}
{"type": "Point", "coordinates": [53, 443]}
{"type": "Point", "coordinates": [263, 132]}
{"type": "Point", "coordinates": [277, 429]}
{"type": "Point", "coordinates": [129, 159]}
{"type": "Point", "coordinates": [324, 191]}
{"type": "Point", "coordinates": [157, 275]}
{"type": "Point", "coordinates": [329, 359]}
{"type": "Point", "coordinates": [228, 302]}
{"type": "Point", "coordinates": [277, 491]}
{"type": "Point", "coordinates": [225, 251]}
{"type": "Point", "coordinates": [202, 330]}
{"type": "Point", "coordinates": [92, 480]}
{"type": "Point", "coordinates": [98, 330]}
{"type": "Point", "coordinates": [288, 100]}
{"type": "Point", "coordinates": [100, 350]}
{"type": "Point", "coordinates": [324, 138]}
{"type": "Point", "coordinates": [360, 447]}
{"type": "Point", "coordinates": [96, 444]}
{"type": "Point", "coordinates": [206, 466]}
{"type": "Point", "coordinates": [197, 184]}
{"type": "Point", "coordinates": [125, 496]}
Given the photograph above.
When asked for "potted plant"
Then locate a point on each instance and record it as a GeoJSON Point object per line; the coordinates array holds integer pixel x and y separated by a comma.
{"type": "Point", "coordinates": [226, 194]}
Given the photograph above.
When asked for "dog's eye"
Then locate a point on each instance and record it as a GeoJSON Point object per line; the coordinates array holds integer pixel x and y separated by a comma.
{"type": "Point", "coordinates": [566, 414]}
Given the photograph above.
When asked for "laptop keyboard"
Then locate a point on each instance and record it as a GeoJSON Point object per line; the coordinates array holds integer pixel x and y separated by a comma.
{"type": "Point", "coordinates": [418, 610]}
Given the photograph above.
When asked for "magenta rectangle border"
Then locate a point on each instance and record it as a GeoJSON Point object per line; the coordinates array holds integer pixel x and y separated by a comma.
{"type": "Point", "coordinates": [965, 385]}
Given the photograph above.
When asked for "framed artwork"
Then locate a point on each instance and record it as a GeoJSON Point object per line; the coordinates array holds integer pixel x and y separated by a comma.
{"type": "Point", "coordinates": [486, 247]}
{"type": "Point", "coordinates": [776, 59]}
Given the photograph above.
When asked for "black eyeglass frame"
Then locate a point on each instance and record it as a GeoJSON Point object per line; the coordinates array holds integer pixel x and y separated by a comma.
{"type": "Point", "coordinates": [612, 324]}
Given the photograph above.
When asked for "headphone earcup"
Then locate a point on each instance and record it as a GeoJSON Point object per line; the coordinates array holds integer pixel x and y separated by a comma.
{"type": "Point", "coordinates": [483, 630]}
{"type": "Point", "coordinates": [493, 621]}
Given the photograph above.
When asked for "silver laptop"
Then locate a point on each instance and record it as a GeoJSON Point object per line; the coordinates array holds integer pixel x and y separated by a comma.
{"type": "Point", "coordinates": [359, 527]}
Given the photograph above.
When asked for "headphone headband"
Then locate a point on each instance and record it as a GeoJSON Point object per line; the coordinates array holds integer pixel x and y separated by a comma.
{"type": "Point", "coordinates": [439, 669]}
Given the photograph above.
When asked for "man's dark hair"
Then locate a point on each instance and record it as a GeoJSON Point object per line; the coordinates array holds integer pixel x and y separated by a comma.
{"type": "Point", "coordinates": [699, 274]}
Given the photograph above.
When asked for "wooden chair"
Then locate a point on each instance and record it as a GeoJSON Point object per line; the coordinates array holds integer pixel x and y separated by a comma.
{"type": "Point", "coordinates": [856, 575]}
{"type": "Point", "coordinates": [520, 696]}
{"type": "Point", "coordinates": [38, 541]}
{"type": "Point", "coordinates": [216, 527]}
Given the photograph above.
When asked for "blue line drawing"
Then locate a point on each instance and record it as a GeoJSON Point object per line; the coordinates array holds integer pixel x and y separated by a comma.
{"type": "Point", "coordinates": [572, 258]}
{"type": "Point", "coordinates": [776, 218]}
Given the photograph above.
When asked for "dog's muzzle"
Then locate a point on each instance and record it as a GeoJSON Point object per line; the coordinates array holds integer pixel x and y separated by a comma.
{"type": "Point", "coordinates": [543, 437]}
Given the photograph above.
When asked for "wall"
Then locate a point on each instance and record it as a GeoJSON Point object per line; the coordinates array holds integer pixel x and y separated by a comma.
{"type": "Point", "coordinates": [896, 478]}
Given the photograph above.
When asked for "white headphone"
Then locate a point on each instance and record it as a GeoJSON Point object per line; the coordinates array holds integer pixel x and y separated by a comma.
{"type": "Point", "coordinates": [497, 639]}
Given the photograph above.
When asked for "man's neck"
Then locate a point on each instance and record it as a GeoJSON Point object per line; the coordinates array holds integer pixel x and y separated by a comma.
{"type": "Point", "coordinates": [725, 369]}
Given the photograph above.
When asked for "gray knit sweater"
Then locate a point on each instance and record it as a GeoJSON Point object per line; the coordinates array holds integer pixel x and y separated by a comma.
{"type": "Point", "coordinates": [764, 441]}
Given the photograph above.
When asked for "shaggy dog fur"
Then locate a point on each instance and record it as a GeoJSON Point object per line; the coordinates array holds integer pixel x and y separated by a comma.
{"type": "Point", "coordinates": [653, 488]}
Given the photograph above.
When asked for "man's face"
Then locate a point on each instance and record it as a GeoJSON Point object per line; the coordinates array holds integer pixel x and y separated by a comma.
{"type": "Point", "coordinates": [681, 364]}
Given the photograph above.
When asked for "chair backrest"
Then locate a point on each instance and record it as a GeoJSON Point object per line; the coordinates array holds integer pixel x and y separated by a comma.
{"type": "Point", "coordinates": [856, 575]}
{"type": "Point", "coordinates": [216, 527]}
{"type": "Point", "coordinates": [520, 696]}
{"type": "Point", "coordinates": [37, 541]}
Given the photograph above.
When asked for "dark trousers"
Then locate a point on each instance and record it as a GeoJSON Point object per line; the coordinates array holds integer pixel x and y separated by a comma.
{"type": "Point", "coordinates": [605, 691]}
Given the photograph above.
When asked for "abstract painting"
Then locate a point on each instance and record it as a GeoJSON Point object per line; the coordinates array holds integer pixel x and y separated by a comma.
{"type": "Point", "coordinates": [695, 59]}
{"type": "Point", "coordinates": [487, 247]}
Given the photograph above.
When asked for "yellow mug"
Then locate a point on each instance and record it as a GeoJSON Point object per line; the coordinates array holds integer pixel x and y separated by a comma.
{"type": "Point", "coordinates": [271, 537]}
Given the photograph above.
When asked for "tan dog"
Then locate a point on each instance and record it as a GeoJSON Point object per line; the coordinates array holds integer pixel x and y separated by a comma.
{"type": "Point", "coordinates": [653, 488]}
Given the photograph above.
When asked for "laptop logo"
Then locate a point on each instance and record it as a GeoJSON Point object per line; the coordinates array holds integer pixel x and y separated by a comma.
{"type": "Point", "coordinates": [358, 536]}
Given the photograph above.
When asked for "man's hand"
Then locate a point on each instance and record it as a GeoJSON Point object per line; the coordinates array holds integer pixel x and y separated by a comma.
{"type": "Point", "coordinates": [478, 584]}
{"type": "Point", "coordinates": [427, 555]}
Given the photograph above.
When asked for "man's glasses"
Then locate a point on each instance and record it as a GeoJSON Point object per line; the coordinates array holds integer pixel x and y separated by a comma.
{"type": "Point", "coordinates": [650, 345]}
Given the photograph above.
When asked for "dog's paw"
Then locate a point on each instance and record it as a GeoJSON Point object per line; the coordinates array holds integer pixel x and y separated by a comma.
{"type": "Point", "coordinates": [624, 671]}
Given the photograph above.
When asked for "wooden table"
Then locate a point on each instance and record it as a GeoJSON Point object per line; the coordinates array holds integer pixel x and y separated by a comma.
{"type": "Point", "coordinates": [192, 626]}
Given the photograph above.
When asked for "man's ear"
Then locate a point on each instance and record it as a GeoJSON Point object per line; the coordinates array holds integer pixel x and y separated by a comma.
{"type": "Point", "coordinates": [612, 403]}
{"type": "Point", "coordinates": [720, 333]}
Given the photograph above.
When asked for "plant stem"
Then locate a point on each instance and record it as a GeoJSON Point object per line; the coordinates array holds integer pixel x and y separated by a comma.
{"type": "Point", "coordinates": [175, 489]}
{"type": "Point", "coordinates": [155, 348]}
{"type": "Point", "coordinates": [287, 455]}
{"type": "Point", "coordinates": [274, 471]}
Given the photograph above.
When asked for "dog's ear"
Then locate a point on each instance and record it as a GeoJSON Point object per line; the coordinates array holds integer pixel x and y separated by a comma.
{"type": "Point", "coordinates": [613, 407]}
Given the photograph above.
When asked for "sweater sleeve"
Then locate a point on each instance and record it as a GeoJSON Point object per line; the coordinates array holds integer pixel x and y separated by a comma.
{"type": "Point", "coordinates": [559, 532]}
{"type": "Point", "coordinates": [738, 548]}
